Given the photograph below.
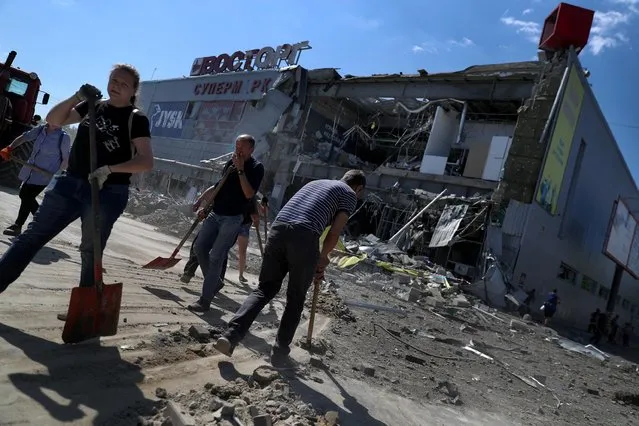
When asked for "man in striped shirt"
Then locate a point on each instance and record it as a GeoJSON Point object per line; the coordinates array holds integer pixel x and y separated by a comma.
{"type": "Point", "coordinates": [293, 247]}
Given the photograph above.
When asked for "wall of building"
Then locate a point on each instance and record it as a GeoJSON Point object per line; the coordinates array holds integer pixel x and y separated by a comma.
{"type": "Point", "coordinates": [197, 118]}
{"type": "Point", "coordinates": [564, 251]}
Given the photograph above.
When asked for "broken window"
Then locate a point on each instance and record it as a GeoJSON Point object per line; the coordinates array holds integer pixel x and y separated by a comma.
{"type": "Point", "coordinates": [588, 284]}
{"type": "Point", "coordinates": [604, 292]}
{"type": "Point", "coordinates": [567, 273]}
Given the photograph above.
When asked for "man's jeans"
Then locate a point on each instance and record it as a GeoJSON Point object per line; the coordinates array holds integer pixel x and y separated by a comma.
{"type": "Point", "coordinates": [289, 249]}
{"type": "Point", "coordinates": [191, 265]}
{"type": "Point", "coordinates": [214, 241]}
{"type": "Point", "coordinates": [68, 200]}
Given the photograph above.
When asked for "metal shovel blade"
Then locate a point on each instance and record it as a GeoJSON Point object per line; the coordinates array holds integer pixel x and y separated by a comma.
{"type": "Point", "coordinates": [162, 263]}
{"type": "Point", "coordinates": [92, 314]}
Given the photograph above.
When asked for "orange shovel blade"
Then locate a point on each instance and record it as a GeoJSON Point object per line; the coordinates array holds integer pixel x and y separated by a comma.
{"type": "Point", "coordinates": [162, 263]}
{"type": "Point", "coordinates": [92, 314]}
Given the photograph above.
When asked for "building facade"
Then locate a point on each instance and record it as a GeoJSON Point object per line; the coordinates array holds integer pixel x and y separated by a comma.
{"type": "Point", "coordinates": [528, 137]}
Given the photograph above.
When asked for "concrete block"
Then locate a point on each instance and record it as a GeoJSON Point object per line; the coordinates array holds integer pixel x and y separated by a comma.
{"type": "Point", "coordinates": [200, 333]}
{"type": "Point", "coordinates": [262, 420]}
{"type": "Point", "coordinates": [178, 416]}
{"type": "Point", "coordinates": [519, 326]}
{"type": "Point", "coordinates": [461, 302]}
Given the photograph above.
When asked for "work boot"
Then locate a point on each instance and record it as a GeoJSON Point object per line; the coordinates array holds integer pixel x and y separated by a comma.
{"type": "Point", "coordinates": [224, 346]}
{"type": "Point", "coordinates": [185, 278]}
{"type": "Point", "coordinates": [280, 359]}
{"type": "Point", "coordinates": [243, 280]}
{"type": "Point", "coordinates": [13, 230]}
{"type": "Point", "coordinates": [199, 306]}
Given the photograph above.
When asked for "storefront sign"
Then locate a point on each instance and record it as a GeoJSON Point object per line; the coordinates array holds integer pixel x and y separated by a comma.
{"type": "Point", "coordinates": [249, 60]}
{"type": "Point", "coordinates": [167, 118]}
{"type": "Point", "coordinates": [235, 87]}
{"type": "Point", "coordinates": [552, 176]}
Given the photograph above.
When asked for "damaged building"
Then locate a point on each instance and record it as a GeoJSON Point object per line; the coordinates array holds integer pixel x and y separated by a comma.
{"type": "Point", "coordinates": [513, 145]}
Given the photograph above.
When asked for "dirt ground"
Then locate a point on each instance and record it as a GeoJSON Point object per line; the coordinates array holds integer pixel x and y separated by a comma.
{"type": "Point", "coordinates": [397, 363]}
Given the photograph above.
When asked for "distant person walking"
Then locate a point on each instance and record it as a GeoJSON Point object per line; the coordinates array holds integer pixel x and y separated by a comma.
{"type": "Point", "coordinates": [51, 147]}
{"type": "Point", "coordinates": [550, 306]}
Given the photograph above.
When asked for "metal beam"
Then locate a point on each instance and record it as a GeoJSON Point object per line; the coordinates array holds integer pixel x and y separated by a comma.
{"type": "Point", "coordinates": [505, 90]}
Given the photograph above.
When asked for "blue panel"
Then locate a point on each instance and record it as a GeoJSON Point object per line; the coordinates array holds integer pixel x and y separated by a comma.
{"type": "Point", "coordinates": [167, 118]}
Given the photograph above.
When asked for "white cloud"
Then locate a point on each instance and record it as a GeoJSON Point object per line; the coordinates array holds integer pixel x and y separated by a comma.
{"type": "Point", "coordinates": [527, 11]}
{"type": "Point", "coordinates": [426, 47]}
{"type": "Point", "coordinates": [605, 32]}
{"type": "Point", "coordinates": [365, 24]}
{"type": "Point", "coordinates": [464, 42]}
{"type": "Point", "coordinates": [530, 29]}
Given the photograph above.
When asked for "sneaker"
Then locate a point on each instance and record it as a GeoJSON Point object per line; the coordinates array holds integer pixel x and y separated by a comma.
{"type": "Point", "coordinates": [198, 307]}
{"type": "Point", "coordinates": [243, 280]}
{"type": "Point", "coordinates": [13, 231]}
{"type": "Point", "coordinates": [186, 278]}
{"type": "Point", "coordinates": [62, 317]}
{"type": "Point", "coordinates": [224, 346]}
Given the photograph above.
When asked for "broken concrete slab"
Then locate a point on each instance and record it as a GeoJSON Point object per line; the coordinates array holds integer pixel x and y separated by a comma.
{"type": "Point", "coordinates": [461, 301]}
{"type": "Point", "coordinates": [519, 326]}
{"type": "Point", "coordinates": [265, 375]}
{"type": "Point", "coordinates": [200, 333]}
{"type": "Point", "coordinates": [262, 420]}
{"type": "Point", "coordinates": [178, 416]}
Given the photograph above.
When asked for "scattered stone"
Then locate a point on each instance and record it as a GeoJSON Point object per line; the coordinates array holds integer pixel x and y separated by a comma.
{"type": "Point", "coordinates": [519, 326]}
{"type": "Point", "coordinates": [413, 295]}
{"type": "Point", "coordinates": [262, 420]}
{"type": "Point", "coordinates": [253, 411]}
{"type": "Point", "coordinates": [368, 370]}
{"type": "Point", "coordinates": [265, 375]}
{"type": "Point", "coordinates": [331, 418]}
{"type": "Point", "coordinates": [227, 410]}
{"type": "Point", "coordinates": [416, 360]}
{"type": "Point", "coordinates": [161, 393]}
{"type": "Point", "coordinates": [178, 416]}
{"type": "Point", "coordinates": [460, 301]}
{"type": "Point", "coordinates": [215, 404]}
{"type": "Point", "coordinates": [200, 333]}
{"type": "Point", "coordinates": [593, 392]}
{"type": "Point", "coordinates": [317, 362]}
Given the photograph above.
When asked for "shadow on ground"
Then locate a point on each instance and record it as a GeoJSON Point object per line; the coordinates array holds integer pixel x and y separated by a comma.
{"type": "Point", "coordinates": [214, 316]}
{"type": "Point", "coordinates": [85, 375]}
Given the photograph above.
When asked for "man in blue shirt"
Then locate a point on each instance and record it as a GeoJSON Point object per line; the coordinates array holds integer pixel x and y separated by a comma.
{"type": "Point", "coordinates": [51, 147]}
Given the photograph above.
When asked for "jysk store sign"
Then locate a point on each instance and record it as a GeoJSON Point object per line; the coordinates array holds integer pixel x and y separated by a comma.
{"type": "Point", "coordinates": [552, 176]}
{"type": "Point", "coordinates": [167, 118]}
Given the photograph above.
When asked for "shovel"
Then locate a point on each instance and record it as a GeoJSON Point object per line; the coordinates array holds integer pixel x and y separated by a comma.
{"type": "Point", "coordinates": [32, 166]}
{"type": "Point", "coordinates": [311, 320]}
{"type": "Point", "coordinates": [163, 263]}
{"type": "Point", "coordinates": [93, 311]}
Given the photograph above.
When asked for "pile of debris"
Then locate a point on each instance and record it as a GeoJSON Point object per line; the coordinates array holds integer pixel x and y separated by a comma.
{"type": "Point", "coordinates": [262, 399]}
{"type": "Point", "coordinates": [167, 214]}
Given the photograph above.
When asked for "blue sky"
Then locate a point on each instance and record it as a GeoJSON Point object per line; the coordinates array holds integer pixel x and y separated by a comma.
{"type": "Point", "coordinates": [69, 42]}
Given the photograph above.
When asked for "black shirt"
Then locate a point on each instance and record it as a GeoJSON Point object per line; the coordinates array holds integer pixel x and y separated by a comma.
{"type": "Point", "coordinates": [231, 201]}
{"type": "Point", "coordinates": [112, 136]}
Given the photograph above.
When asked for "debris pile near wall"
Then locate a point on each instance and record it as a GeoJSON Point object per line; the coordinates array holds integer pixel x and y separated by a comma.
{"type": "Point", "coordinates": [167, 214]}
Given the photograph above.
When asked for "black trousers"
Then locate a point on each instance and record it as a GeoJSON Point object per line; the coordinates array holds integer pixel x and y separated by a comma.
{"type": "Point", "coordinates": [292, 250]}
{"type": "Point", "coordinates": [192, 264]}
{"type": "Point", "coordinates": [28, 203]}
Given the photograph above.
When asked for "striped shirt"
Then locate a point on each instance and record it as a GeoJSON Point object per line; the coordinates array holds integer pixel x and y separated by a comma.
{"type": "Point", "coordinates": [315, 205]}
